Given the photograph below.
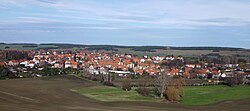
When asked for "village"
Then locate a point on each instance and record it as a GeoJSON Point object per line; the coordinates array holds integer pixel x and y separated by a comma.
{"type": "Point", "coordinates": [124, 55]}
{"type": "Point", "coordinates": [123, 65]}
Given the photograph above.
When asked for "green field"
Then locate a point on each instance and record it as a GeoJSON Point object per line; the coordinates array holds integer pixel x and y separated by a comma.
{"type": "Point", "coordinates": [202, 95]}
{"type": "Point", "coordinates": [105, 93]}
{"type": "Point", "coordinates": [194, 95]}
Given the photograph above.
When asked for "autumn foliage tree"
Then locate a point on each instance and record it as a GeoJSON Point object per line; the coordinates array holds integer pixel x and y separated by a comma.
{"type": "Point", "coordinates": [175, 91]}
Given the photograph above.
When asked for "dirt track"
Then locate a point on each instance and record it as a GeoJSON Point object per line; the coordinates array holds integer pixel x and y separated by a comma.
{"type": "Point", "coordinates": [53, 94]}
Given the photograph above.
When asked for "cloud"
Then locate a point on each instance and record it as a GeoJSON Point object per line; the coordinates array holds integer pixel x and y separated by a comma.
{"type": "Point", "coordinates": [162, 14]}
{"type": "Point", "coordinates": [34, 24]}
{"type": "Point", "coordinates": [48, 1]}
{"type": "Point", "coordinates": [37, 20]}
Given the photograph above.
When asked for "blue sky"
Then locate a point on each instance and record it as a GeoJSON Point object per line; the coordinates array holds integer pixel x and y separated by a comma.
{"type": "Point", "coordinates": [127, 22]}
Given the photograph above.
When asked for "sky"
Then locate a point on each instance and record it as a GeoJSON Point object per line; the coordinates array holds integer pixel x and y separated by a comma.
{"type": "Point", "coordinates": [127, 22]}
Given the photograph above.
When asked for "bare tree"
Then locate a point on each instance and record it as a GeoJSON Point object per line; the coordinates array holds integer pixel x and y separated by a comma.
{"type": "Point", "coordinates": [143, 84]}
{"type": "Point", "coordinates": [162, 81]}
{"type": "Point", "coordinates": [107, 77]}
{"type": "Point", "coordinates": [85, 73]}
{"type": "Point", "coordinates": [126, 85]}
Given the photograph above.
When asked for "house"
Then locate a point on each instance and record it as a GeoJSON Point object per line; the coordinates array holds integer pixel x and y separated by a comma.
{"type": "Point", "coordinates": [91, 69]}
{"type": "Point", "coordinates": [24, 63]}
{"type": "Point", "coordinates": [120, 73]}
{"type": "Point", "coordinates": [74, 65]}
{"type": "Point", "coordinates": [201, 72]}
{"type": "Point", "coordinates": [143, 65]}
{"type": "Point", "coordinates": [2, 63]}
{"type": "Point", "coordinates": [57, 65]}
{"type": "Point", "coordinates": [135, 60]}
{"type": "Point", "coordinates": [67, 64]}
{"type": "Point", "coordinates": [151, 71]}
{"type": "Point", "coordinates": [31, 64]}
{"type": "Point", "coordinates": [175, 72]}
{"type": "Point", "coordinates": [103, 71]}
{"type": "Point", "coordinates": [13, 63]}
{"type": "Point", "coordinates": [71, 64]}
{"type": "Point", "coordinates": [190, 65]}
{"type": "Point", "coordinates": [142, 60]}
{"type": "Point", "coordinates": [186, 74]}
{"type": "Point", "coordinates": [138, 71]}
{"type": "Point", "coordinates": [193, 65]}
{"type": "Point", "coordinates": [36, 60]}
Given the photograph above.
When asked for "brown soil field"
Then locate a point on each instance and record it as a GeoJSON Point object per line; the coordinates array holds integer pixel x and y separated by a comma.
{"type": "Point", "coordinates": [53, 94]}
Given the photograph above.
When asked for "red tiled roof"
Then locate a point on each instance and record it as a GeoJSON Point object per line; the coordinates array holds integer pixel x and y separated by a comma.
{"type": "Point", "coordinates": [2, 64]}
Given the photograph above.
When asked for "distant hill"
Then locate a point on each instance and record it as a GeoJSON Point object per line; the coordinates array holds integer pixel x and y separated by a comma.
{"type": "Point", "coordinates": [135, 50]}
{"type": "Point", "coordinates": [27, 46]}
{"type": "Point", "coordinates": [208, 48]}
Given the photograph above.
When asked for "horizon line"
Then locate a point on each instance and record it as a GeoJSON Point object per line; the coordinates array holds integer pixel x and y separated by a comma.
{"type": "Point", "coordinates": [12, 43]}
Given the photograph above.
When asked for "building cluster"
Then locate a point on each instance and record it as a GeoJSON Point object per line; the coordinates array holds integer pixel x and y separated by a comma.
{"type": "Point", "coordinates": [124, 64]}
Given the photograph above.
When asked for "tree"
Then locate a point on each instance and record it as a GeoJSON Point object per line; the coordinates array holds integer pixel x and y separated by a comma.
{"type": "Point", "coordinates": [3, 72]}
{"type": "Point", "coordinates": [126, 85]}
{"type": "Point", "coordinates": [6, 73]}
{"type": "Point", "coordinates": [179, 83]}
{"type": "Point", "coordinates": [175, 91]}
{"type": "Point", "coordinates": [162, 81]}
{"type": "Point", "coordinates": [107, 79]}
{"type": "Point", "coordinates": [245, 80]}
{"type": "Point", "coordinates": [242, 65]}
{"type": "Point", "coordinates": [85, 73]}
{"type": "Point", "coordinates": [143, 91]}
{"type": "Point", "coordinates": [172, 94]}
{"type": "Point", "coordinates": [143, 83]}
{"type": "Point", "coordinates": [235, 80]}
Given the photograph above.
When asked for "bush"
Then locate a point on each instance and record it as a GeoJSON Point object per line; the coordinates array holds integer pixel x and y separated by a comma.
{"type": "Point", "coordinates": [156, 92]}
{"type": "Point", "coordinates": [126, 85]}
{"type": "Point", "coordinates": [108, 83]}
{"type": "Point", "coordinates": [232, 81]}
{"type": "Point", "coordinates": [94, 79]}
{"type": "Point", "coordinates": [247, 81]}
{"type": "Point", "coordinates": [172, 94]}
{"type": "Point", "coordinates": [143, 91]}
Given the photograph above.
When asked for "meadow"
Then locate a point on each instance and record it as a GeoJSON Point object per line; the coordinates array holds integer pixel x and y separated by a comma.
{"type": "Point", "coordinates": [193, 95]}
{"type": "Point", "coordinates": [203, 95]}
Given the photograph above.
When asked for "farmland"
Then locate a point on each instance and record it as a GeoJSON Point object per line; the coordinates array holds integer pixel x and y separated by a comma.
{"type": "Point", "coordinates": [55, 93]}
